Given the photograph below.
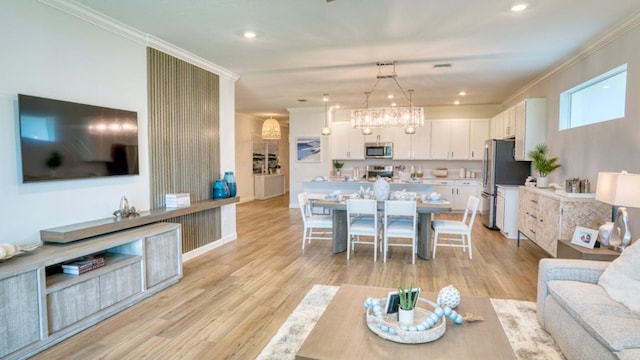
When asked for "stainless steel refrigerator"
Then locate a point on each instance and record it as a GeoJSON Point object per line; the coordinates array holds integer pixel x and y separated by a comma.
{"type": "Point", "coordinates": [499, 167]}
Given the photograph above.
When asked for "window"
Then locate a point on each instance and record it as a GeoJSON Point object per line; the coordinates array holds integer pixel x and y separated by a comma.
{"type": "Point", "coordinates": [599, 99]}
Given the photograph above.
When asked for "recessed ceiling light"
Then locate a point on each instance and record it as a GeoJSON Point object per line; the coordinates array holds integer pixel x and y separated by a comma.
{"type": "Point", "coordinates": [390, 96]}
{"type": "Point", "coordinates": [393, 104]}
{"type": "Point", "coordinates": [462, 93]}
{"type": "Point", "coordinates": [457, 102]}
{"type": "Point", "coordinates": [519, 7]}
{"type": "Point", "coordinates": [336, 106]}
{"type": "Point", "coordinates": [249, 35]}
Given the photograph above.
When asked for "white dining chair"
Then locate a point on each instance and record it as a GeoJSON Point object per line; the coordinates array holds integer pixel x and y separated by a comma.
{"type": "Point", "coordinates": [400, 221]}
{"type": "Point", "coordinates": [316, 227]}
{"type": "Point", "coordinates": [462, 229]}
{"type": "Point", "coordinates": [362, 220]}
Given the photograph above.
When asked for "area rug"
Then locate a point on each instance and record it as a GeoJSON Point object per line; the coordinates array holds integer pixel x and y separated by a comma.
{"type": "Point", "coordinates": [518, 318]}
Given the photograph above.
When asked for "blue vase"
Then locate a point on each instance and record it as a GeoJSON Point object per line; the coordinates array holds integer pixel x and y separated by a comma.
{"type": "Point", "coordinates": [231, 183]}
{"type": "Point", "coordinates": [220, 189]}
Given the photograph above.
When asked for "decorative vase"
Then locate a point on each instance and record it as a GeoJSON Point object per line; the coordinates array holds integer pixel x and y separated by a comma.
{"type": "Point", "coordinates": [220, 189]}
{"type": "Point", "coordinates": [338, 172]}
{"type": "Point", "coordinates": [231, 183]}
{"type": "Point", "coordinates": [381, 189]}
{"type": "Point", "coordinates": [542, 182]}
{"type": "Point", "coordinates": [405, 317]}
{"type": "Point", "coordinates": [449, 296]}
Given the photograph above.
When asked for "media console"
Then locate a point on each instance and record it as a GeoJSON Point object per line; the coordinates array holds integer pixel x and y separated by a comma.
{"type": "Point", "coordinates": [41, 306]}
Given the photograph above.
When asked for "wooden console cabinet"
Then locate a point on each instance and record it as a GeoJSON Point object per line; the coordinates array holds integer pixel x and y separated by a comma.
{"type": "Point", "coordinates": [545, 216]}
{"type": "Point", "coordinates": [41, 306]}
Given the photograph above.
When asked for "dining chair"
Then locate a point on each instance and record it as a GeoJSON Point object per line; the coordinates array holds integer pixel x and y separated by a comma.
{"type": "Point", "coordinates": [400, 221]}
{"type": "Point", "coordinates": [362, 220]}
{"type": "Point", "coordinates": [316, 227]}
{"type": "Point", "coordinates": [460, 228]}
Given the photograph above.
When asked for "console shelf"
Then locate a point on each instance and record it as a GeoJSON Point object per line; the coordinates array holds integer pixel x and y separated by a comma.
{"type": "Point", "coordinates": [69, 233]}
{"type": "Point", "coordinates": [114, 261]}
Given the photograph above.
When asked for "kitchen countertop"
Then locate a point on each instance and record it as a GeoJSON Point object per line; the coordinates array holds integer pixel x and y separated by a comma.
{"type": "Point", "coordinates": [561, 194]}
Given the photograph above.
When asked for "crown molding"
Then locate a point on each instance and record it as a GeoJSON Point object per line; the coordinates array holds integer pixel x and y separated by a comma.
{"type": "Point", "coordinates": [606, 38]}
{"type": "Point", "coordinates": [110, 24]}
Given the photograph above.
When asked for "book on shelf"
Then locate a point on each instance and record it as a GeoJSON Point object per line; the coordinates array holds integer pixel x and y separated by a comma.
{"type": "Point", "coordinates": [82, 265]}
{"type": "Point", "coordinates": [177, 200]}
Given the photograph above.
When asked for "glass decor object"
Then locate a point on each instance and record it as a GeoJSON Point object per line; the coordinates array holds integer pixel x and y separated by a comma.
{"type": "Point", "coordinates": [220, 189]}
{"type": "Point", "coordinates": [231, 182]}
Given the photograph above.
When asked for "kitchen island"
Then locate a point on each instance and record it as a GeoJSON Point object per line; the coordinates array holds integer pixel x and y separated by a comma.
{"type": "Point", "coordinates": [348, 187]}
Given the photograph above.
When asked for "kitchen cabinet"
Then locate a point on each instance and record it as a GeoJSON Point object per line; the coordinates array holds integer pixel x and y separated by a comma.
{"type": "Point", "coordinates": [412, 147]}
{"type": "Point", "coordinates": [530, 117]}
{"type": "Point", "coordinates": [479, 132]}
{"type": "Point", "coordinates": [457, 192]}
{"type": "Point", "coordinates": [379, 135]}
{"type": "Point", "coordinates": [497, 126]}
{"type": "Point", "coordinates": [450, 139]}
{"type": "Point", "coordinates": [546, 217]}
{"type": "Point", "coordinates": [347, 143]}
{"type": "Point", "coordinates": [509, 123]}
{"type": "Point", "coordinates": [507, 211]}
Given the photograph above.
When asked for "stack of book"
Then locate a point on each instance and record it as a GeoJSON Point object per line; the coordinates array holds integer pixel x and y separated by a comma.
{"type": "Point", "coordinates": [177, 200]}
{"type": "Point", "coordinates": [82, 265]}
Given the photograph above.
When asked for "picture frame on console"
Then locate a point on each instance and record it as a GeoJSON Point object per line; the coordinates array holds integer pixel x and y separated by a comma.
{"type": "Point", "coordinates": [584, 237]}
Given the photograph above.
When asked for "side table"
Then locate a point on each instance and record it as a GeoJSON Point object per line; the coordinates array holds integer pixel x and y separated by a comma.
{"type": "Point", "coordinates": [567, 250]}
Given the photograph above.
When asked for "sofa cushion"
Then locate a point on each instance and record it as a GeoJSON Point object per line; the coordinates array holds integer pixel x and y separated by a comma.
{"type": "Point", "coordinates": [608, 321]}
{"type": "Point", "coordinates": [621, 279]}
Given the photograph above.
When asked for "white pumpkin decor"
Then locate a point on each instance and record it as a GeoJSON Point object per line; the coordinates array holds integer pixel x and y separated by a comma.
{"type": "Point", "coordinates": [449, 296]}
{"type": "Point", "coordinates": [381, 189]}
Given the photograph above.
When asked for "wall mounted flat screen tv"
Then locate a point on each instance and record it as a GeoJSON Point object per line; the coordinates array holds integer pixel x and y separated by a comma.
{"type": "Point", "coordinates": [62, 140]}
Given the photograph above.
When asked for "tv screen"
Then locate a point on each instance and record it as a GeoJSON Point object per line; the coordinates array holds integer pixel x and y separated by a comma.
{"type": "Point", "coordinates": [62, 140]}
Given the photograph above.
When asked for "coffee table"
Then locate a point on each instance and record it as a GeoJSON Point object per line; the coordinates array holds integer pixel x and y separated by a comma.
{"type": "Point", "coordinates": [342, 332]}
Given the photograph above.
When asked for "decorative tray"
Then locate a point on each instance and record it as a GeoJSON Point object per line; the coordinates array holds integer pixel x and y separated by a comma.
{"type": "Point", "coordinates": [387, 326]}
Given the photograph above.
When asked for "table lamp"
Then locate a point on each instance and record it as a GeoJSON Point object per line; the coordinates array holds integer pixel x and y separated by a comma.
{"type": "Point", "coordinates": [621, 190]}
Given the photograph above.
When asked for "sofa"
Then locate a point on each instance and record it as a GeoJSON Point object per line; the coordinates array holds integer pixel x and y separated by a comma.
{"type": "Point", "coordinates": [592, 308]}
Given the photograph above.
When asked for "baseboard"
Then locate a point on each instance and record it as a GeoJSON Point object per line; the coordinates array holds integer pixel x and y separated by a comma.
{"type": "Point", "coordinates": [206, 248]}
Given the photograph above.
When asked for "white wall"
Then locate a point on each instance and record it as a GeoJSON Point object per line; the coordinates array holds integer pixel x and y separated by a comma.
{"type": "Point", "coordinates": [306, 122]}
{"type": "Point", "coordinates": [49, 53]}
{"type": "Point", "coordinates": [609, 146]}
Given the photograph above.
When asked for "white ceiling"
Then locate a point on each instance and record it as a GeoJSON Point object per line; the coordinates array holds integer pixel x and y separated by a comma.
{"type": "Point", "coordinates": [306, 48]}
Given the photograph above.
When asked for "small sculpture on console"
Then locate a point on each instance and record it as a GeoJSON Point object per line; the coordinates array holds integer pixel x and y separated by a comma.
{"type": "Point", "coordinates": [125, 211]}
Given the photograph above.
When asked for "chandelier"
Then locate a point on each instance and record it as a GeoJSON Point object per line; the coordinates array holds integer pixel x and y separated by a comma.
{"type": "Point", "coordinates": [408, 117]}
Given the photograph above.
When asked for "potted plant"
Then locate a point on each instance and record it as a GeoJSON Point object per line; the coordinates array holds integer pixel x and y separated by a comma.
{"type": "Point", "coordinates": [337, 165]}
{"type": "Point", "coordinates": [408, 298]}
{"type": "Point", "coordinates": [543, 165]}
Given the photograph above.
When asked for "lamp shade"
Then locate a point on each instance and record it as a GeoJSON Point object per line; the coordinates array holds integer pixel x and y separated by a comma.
{"type": "Point", "coordinates": [619, 189]}
{"type": "Point", "coordinates": [271, 129]}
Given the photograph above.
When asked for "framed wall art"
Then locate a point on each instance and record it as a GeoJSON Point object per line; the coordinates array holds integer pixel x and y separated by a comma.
{"type": "Point", "coordinates": [308, 149]}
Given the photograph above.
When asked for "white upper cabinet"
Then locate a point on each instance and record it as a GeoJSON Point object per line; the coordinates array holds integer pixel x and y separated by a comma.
{"type": "Point", "coordinates": [347, 143]}
{"type": "Point", "coordinates": [510, 123]}
{"type": "Point", "coordinates": [412, 147]}
{"type": "Point", "coordinates": [450, 139]}
{"type": "Point", "coordinates": [479, 132]}
{"type": "Point", "coordinates": [531, 121]}
{"type": "Point", "coordinates": [497, 126]}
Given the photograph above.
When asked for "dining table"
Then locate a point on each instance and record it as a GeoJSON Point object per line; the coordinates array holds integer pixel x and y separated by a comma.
{"type": "Point", "coordinates": [424, 209]}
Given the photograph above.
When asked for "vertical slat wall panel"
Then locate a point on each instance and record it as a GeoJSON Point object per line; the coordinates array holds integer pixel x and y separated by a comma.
{"type": "Point", "coordinates": [184, 141]}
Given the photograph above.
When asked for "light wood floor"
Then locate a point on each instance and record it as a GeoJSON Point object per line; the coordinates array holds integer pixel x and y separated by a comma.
{"type": "Point", "coordinates": [233, 299]}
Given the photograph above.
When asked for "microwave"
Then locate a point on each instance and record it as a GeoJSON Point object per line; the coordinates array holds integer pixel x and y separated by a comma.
{"type": "Point", "coordinates": [378, 150]}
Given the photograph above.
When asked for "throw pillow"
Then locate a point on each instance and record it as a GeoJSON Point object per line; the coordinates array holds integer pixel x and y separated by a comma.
{"type": "Point", "coordinates": [621, 279]}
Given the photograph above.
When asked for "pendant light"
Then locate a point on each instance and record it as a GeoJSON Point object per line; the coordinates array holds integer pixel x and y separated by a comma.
{"type": "Point", "coordinates": [271, 129]}
{"type": "Point", "coordinates": [326, 130]}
